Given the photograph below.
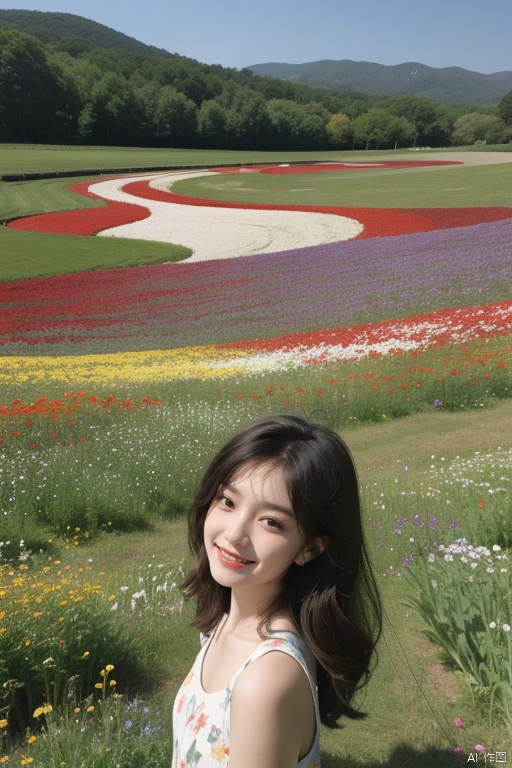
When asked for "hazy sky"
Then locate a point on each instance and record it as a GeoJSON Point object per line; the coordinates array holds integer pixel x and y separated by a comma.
{"type": "Point", "coordinates": [237, 33]}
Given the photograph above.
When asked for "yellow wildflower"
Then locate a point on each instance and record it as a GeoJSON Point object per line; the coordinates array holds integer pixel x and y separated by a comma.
{"type": "Point", "coordinates": [90, 709]}
{"type": "Point", "coordinates": [32, 739]}
{"type": "Point", "coordinates": [44, 710]}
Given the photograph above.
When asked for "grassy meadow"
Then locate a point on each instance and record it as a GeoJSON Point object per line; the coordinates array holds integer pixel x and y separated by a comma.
{"type": "Point", "coordinates": [96, 475]}
{"type": "Point", "coordinates": [394, 188]}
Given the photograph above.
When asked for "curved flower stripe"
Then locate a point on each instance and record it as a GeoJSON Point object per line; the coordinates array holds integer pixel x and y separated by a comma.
{"type": "Point", "coordinates": [285, 168]}
{"type": "Point", "coordinates": [85, 221]}
{"type": "Point", "coordinates": [378, 222]}
{"type": "Point", "coordinates": [216, 233]}
{"type": "Point", "coordinates": [450, 326]}
{"type": "Point", "coordinates": [329, 286]}
{"type": "Point", "coordinates": [447, 326]}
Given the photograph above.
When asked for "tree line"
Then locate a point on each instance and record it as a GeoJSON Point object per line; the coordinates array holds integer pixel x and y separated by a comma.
{"type": "Point", "coordinates": [76, 94]}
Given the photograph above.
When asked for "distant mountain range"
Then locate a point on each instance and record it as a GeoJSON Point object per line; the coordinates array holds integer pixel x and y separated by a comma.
{"type": "Point", "coordinates": [449, 85]}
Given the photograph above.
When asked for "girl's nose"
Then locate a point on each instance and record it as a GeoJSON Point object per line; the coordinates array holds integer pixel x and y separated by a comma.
{"type": "Point", "coordinates": [238, 534]}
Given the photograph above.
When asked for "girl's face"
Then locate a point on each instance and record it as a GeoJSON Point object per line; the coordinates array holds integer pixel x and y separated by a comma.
{"type": "Point", "coordinates": [251, 533]}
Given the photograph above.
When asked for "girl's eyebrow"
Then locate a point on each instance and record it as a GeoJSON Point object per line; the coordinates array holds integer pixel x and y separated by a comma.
{"type": "Point", "coordinates": [265, 504]}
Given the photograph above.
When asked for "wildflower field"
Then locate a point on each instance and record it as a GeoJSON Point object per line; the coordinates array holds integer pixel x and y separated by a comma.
{"type": "Point", "coordinates": [117, 385]}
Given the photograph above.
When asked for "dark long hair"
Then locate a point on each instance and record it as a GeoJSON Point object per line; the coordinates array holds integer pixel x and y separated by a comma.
{"type": "Point", "coordinates": [333, 598]}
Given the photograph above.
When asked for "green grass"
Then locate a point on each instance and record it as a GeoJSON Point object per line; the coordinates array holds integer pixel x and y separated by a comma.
{"type": "Point", "coordinates": [23, 158]}
{"type": "Point", "coordinates": [22, 198]}
{"type": "Point", "coordinates": [402, 188]}
{"type": "Point", "coordinates": [30, 254]}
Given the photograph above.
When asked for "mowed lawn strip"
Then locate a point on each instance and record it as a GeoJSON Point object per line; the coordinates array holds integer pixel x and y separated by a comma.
{"type": "Point", "coordinates": [430, 187]}
{"type": "Point", "coordinates": [31, 254]}
{"type": "Point", "coordinates": [26, 158]}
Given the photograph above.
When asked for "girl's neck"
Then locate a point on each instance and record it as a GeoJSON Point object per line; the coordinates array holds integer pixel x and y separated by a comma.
{"type": "Point", "coordinates": [245, 616]}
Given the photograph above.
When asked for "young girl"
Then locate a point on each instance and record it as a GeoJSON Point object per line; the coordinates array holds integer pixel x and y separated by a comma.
{"type": "Point", "coordinates": [286, 600]}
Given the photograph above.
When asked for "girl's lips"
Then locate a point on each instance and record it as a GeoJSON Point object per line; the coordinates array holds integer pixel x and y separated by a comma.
{"type": "Point", "coordinates": [231, 560]}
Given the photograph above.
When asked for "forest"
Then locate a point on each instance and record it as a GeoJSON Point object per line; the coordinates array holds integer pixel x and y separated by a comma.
{"type": "Point", "coordinates": [68, 90]}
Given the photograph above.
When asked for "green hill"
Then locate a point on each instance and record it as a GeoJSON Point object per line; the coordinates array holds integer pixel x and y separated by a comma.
{"type": "Point", "coordinates": [449, 85]}
{"type": "Point", "coordinates": [65, 31]}
{"type": "Point", "coordinates": [67, 79]}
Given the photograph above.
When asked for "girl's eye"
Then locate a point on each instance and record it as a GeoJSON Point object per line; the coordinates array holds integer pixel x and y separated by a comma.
{"type": "Point", "coordinates": [226, 501]}
{"type": "Point", "coordinates": [273, 522]}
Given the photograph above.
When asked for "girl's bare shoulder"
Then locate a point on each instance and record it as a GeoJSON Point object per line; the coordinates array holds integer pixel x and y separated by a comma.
{"type": "Point", "coordinates": [272, 713]}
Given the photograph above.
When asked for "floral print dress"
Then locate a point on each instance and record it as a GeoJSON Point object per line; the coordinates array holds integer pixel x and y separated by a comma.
{"type": "Point", "coordinates": [201, 719]}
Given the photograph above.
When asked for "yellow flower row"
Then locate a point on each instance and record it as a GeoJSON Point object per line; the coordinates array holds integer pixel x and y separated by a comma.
{"type": "Point", "coordinates": [206, 362]}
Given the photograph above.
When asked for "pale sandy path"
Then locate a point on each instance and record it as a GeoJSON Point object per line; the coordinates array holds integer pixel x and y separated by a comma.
{"type": "Point", "coordinates": [222, 233]}
{"type": "Point", "coordinates": [468, 158]}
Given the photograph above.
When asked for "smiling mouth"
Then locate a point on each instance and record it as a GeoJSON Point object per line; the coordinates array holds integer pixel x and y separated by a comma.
{"type": "Point", "coordinates": [233, 558]}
